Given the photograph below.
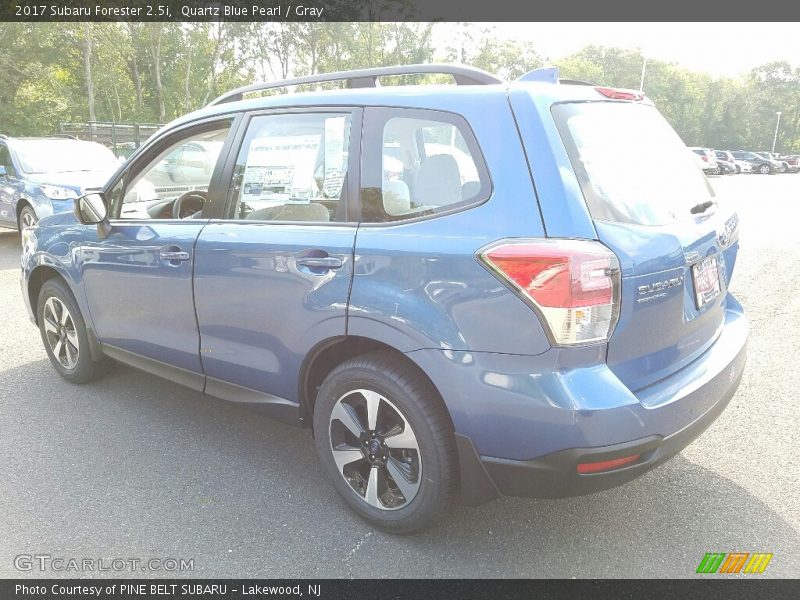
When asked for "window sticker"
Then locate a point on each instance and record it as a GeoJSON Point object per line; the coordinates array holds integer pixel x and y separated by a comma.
{"type": "Point", "coordinates": [274, 172]}
{"type": "Point", "coordinates": [335, 157]}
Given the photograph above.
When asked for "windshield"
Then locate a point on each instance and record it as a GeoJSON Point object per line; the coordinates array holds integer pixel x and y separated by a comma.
{"type": "Point", "coordinates": [63, 156]}
{"type": "Point", "coordinates": [632, 166]}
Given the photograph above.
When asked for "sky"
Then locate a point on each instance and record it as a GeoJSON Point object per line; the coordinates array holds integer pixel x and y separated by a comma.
{"type": "Point", "coordinates": [720, 49]}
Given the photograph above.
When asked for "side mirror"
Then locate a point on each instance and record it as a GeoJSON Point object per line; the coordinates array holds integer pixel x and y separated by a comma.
{"type": "Point", "coordinates": [2, 171]}
{"type": "Point", "coordinates": [90, 209]}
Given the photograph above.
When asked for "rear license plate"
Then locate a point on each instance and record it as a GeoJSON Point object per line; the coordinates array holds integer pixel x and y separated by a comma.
{"type": "Point", "coordinates": [706, 281]}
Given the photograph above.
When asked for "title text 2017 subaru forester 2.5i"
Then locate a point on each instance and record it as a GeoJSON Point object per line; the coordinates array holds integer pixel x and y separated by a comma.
{"type": "Point", "coordinates": [459, 288]}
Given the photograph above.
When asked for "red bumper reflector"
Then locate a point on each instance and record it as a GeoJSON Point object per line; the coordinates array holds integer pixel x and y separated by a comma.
{"type": "Point", "coordinates": [607, 465]}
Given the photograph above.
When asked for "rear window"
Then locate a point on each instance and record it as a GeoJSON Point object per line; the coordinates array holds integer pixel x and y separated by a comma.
{"type": "Point", "coordinates": [632, 166]}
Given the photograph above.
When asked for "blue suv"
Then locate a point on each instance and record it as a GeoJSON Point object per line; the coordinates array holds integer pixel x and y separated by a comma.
{"type": "Point", "coordinates": [40, 177]}
{"type": "Point", "coordinates": [460, 289]}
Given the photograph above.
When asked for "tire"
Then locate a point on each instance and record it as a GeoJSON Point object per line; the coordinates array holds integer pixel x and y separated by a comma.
{"type": "Point", "coordinates": [765, 169]}
{"type": "Point", "coordinates": [410, 407]}
{"type": "Point", "coordinates": [738, 170]}
{"type": "Point", "coordinates": [72, 358]}
{"type": "Point", "coordinates": [716, 171]}
{"type": "Point", "coordinates": [27, 217]}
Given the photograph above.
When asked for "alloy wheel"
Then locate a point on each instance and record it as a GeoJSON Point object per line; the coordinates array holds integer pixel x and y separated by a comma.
{"type": "Point", "coordinates": [28, 219]}
{"type": "Point", "coordinates": [62, 337]}
{"type": "Point", "coordinates": [375, 449]}
{"type": "Point", "coordinates": [764, 169]}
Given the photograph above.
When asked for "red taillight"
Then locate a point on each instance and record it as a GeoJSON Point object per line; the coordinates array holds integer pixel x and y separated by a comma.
{"type": "Point", "coordinates": [607, 465]}
{"type": "Point", "coordinates": [573, 283]}
{"type": "Point", "coordinates": [704, 157]}
{"type": "Point", "coordinates": [620, 93]}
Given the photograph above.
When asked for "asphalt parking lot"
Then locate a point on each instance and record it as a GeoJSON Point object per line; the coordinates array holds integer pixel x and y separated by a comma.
{"type": "Point", "coordinates": [134, 466]}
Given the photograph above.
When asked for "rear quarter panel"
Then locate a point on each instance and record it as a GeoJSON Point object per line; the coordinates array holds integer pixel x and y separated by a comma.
{"type": "Point", "coordinates": [419, 284]}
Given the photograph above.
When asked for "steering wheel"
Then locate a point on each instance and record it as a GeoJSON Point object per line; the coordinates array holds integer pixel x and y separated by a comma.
{"type": "Point", "coordinates": [184, 205]}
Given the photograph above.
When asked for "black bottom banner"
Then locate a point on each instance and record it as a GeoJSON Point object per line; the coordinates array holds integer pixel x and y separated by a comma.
{"type": "Point", "coordinates": [396, 589]}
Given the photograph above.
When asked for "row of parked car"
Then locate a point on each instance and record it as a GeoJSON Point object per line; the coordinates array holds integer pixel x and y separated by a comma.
{"type": "Point", "coordinates": [731, 162]}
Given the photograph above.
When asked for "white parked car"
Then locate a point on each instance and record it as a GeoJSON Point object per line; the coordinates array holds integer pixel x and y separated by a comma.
{"type": "Point", "coordinates": [707, 158]}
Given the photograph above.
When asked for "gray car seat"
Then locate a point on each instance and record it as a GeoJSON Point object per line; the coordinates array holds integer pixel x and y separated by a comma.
{"type": "Point", "coordinates": [292, 212]}
{"type": "Point", "coordinates": [438, 181]}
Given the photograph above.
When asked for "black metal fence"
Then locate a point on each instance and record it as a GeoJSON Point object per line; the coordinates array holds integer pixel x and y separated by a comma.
{"type": "Point", "coordinates": [121, 138]}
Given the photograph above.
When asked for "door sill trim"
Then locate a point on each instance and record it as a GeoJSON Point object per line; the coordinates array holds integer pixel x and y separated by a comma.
{"type": "Point", "coordinates": [184, 377]}
{"type": "Point", "coordinates": [267, 404]}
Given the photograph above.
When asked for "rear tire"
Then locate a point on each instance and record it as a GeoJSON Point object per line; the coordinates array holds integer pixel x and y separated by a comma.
{"type": "Point", "coordinates": [64, 335]}
{"type": "Point", "coordinates": [765, 169]}
{"type": "Point", "coordinates": [386, 443]}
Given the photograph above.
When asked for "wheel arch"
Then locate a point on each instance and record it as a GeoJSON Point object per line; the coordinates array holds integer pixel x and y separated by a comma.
{"type": "Point", "coordinates": [330, 353]}
{"type": "Point", "coordinates": [39, 275]}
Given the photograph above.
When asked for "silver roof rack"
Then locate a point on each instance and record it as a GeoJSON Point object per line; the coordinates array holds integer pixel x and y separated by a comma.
{"type": "Point", "coordinates": [361, 78]}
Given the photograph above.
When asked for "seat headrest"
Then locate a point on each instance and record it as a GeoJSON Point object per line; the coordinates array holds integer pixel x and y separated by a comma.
{"type": "Point", "coordinates": [396, 198]}
{"type": "Point", "coordinates": [438, 181]}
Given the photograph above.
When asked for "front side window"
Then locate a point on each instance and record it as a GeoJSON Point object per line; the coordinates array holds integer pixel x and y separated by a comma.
{"type": "Point", "coordinates": [424, 163]}
{"type": "Point", "coordinates": [292, 167]}
{"type": "Point", "coordinates": [174, 184]}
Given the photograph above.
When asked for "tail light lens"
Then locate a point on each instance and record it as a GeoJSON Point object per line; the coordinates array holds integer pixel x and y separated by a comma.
{"type": "Point", "coordinates": [620, 93]}
{"type": "Point", "coordinates": [574, 285]}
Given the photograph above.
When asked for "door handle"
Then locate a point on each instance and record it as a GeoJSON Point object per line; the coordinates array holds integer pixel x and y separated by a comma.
{"type": "Point", "coordinates": [173, 254]}
{"type": "Point", "coordinates": [320, 262]}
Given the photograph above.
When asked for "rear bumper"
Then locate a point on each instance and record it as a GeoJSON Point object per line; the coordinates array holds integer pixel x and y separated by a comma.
{"type": "Point", "coordinates": [527, 437]}
{"type": "Point", "coordinates": [556, 475]}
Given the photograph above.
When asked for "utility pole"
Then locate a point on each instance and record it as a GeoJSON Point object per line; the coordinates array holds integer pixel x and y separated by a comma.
{"type": "Point", "coordinates": [775, 137]}
{"type": "Point", "coordinates": [641, 81]}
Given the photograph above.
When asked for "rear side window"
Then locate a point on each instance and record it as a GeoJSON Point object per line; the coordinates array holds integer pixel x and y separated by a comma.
{"type": "Point", "coordinates": [632, 166]}
{"type": "Point", "coordinates": [419, 163]}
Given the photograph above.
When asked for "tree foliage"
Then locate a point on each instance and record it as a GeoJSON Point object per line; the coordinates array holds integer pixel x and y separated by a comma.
{"type": "Point", "coordinates": [153, 72]}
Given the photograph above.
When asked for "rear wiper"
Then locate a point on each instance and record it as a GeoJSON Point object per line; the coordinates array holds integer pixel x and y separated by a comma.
{"type": "Point", "coordinates": [702, 207]}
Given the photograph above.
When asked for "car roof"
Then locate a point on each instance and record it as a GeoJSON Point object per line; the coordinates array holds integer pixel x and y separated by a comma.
{"type": "Point", "coordinates": [433, 96]}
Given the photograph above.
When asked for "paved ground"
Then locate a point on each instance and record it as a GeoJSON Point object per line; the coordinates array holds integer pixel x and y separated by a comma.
{"type": "Point", "coordinates": [134, 466]}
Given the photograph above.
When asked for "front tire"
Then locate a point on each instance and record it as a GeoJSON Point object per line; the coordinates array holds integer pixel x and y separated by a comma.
{"type": "Point", "coordinates": [64, 335]}
{"type": "Point", "coordinates": [27, 217]}
{"type": "Point", "coordinates": [385, 442]}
